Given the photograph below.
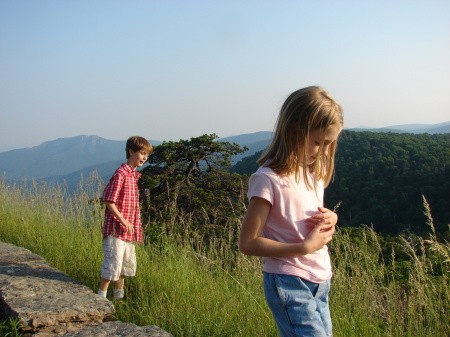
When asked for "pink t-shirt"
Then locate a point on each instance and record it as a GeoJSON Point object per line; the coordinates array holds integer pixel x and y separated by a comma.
{"type": "Point", "coordinates": [292, 203]}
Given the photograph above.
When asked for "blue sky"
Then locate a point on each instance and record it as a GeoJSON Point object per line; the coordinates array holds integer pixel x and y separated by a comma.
{"type": "Point", "coordinates": [170, 70]}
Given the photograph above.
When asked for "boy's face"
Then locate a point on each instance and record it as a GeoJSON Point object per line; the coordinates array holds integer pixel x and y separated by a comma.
{"type": "Point", "coordinates": [137, 158]}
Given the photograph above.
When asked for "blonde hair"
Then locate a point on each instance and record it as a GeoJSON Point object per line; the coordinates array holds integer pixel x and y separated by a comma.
{"type": "Point", "coordinates": [137, 143]}
{"type": "Point", "coordinates": [304, 111]}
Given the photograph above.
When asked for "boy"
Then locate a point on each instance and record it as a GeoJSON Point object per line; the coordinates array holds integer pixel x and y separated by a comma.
{"type": "Point", "coordinates": [122, 226]}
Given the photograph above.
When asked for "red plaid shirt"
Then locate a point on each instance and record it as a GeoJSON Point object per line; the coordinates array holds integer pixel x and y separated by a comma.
{"type": "Point", "coordinates": [122, 190]}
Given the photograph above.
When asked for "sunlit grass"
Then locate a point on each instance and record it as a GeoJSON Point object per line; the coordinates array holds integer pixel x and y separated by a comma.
{"type": "Point", "coordinates": [212, 290]}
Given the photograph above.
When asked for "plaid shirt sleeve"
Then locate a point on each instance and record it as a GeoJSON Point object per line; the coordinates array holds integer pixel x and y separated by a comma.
{"type": "Point", "coordinates": [114, 187]}
{"type": "Point", "coordinates": [122, 190]}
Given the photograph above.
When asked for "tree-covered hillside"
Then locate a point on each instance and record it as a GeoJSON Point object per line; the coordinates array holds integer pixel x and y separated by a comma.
{"type": "Point", "coordinates": [381, 177]}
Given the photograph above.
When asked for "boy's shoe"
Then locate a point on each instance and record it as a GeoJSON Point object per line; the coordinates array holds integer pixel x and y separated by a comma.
{"type": "Point", "coordinates": [102, 293]}
{"type": "Point", "coordinates": [119, 294]}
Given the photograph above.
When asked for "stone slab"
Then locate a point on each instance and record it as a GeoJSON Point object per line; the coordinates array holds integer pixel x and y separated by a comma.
{"type": "Point", "coordinates": [12, 253]}
{"type": "Point", "coordinates": [30, 286]}
{"type": "Point", "coordinates": [119, 329]}
{"type": "Point", "coordinates": [35, 278]}
{"type": "Point", "coordinates": [33, 268]}
{"type": "Point", "coordinates": [51, 303]}
{"type": "Point", "coordinates": [43, 311]}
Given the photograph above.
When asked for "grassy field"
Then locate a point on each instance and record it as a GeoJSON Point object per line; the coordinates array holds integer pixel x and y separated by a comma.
{"type": "Point", "coordinates": [212, 290]}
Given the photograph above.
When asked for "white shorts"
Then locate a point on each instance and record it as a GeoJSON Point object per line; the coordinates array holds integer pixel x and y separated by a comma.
{"type": "Point", "coordinates": [119, 258]}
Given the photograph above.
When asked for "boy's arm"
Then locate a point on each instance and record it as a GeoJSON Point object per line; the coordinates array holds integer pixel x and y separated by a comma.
{"type": "Point", "coordinates": [114, 211]}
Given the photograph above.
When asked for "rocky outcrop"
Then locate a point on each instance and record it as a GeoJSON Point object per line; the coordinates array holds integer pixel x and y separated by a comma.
{"type": "Point", "coordinates": [48, 302]}
{"type": "Point", "coordinates": [118, 329]}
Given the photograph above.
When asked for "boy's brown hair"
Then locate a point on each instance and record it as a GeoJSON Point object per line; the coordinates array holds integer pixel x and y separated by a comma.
{"type": "Point", "coordinates": [137, 143]}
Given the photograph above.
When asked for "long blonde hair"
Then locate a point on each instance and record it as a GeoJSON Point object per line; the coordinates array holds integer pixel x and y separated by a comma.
{"type": "Point", "coordinates": [304, 111]}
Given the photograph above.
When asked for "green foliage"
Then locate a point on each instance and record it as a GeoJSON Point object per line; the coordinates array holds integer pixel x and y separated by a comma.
{"type": "Point", "coordinates": [380, 295]}
{"type": "Point", "coordinates": [247, 165]}
{"type": "Point", "coordinates": [11, 328]}
{"type": "Point", "coordinates": [191, 289]}
{"type": "Point", "coordinates": [186, 181]}
{"type": "Point", "coordinates": [381, 177]}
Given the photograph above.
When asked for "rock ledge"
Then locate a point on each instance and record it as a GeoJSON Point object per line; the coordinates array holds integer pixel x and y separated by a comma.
{"type": "Point", "coordinates": [48, 302]}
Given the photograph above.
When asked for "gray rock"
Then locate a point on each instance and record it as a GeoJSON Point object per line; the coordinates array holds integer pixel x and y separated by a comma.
{"type": "Point", "coordinates": [32, 286]}
{"type": "Point", "coordinates": [118, 329]}
{"type": "Point", "coordinates": [13, 254]}
{"type": "Point", "coordinates": [48, 302]}
{"type": "Point", "coordinates": [43, 297]}
{"type": "Point", "coordinates": [44, 311]}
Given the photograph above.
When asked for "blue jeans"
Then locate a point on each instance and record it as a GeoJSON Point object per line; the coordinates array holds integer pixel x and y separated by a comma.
{"type": "Point", "coordinates": [299, 307]}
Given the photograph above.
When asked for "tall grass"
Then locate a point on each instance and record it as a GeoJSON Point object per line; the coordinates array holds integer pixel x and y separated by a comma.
{"type": "Point", "coordinates": [191, 289]}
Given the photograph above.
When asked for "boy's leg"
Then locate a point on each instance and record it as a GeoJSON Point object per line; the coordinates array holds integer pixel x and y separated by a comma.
{"type": "Point", "coordinates": [113, 252]}
{"type": "Point", "coordinates": [103, 287]}
{"type": "Point", "coordinates": [129, 260]}
{"type": "Point", "coordinates": [104, 283]}
{"type": "Point", "coordinates": [128, 269]}
{"type": "Point", "coordinates": [119, 283]}
{"type": "Point", "coordinates": [119, 292]}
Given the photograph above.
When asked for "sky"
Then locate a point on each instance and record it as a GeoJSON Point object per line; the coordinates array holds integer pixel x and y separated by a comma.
{"type": "Point", "coordinates": [170, 70]}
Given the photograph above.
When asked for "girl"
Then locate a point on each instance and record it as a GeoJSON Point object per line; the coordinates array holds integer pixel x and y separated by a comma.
{"type": "Point", "coordinates": [286, 207]}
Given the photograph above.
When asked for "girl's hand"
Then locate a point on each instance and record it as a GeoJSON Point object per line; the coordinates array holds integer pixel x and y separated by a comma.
{"type": "Point", "coordinates": [320, 235]}
{"type": "Point", "coordinates": [324, 225]}
{"type": "Point", "coordinates": [326, 218]}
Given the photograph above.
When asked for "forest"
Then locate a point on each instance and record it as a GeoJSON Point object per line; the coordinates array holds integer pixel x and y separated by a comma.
{"type": "Point", "coordinates": [380, 179]}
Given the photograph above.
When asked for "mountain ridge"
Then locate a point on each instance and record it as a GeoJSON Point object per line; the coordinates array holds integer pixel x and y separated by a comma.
{"type": "Point", "coordinates": [409, 128]}
{"type": "Point", "coordinates": [66, 158]}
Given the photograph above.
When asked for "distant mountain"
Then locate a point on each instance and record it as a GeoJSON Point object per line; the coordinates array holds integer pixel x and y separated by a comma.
{"type": "Point", "coordinates": [66, 159]}
{"type": "Point", "coordinates": [60, 157]}
{"type": "Point", "coordinates": [248, 138]}
{"type": "Point", "coordinates": [410, 128]}
{"type": "Point", "coordinates": [254, 141]}
{"type": "Point", "coordinates": [103, 172]}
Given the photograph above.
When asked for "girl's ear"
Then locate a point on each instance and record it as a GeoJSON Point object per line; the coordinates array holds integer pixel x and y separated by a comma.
{"type": "Point", "coordinates": [130, 152]}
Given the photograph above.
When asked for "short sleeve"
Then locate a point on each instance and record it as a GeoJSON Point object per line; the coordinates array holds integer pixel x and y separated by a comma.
{"type": "Point", "coordinates": [261, 185]}
{"type": "Point", "coordinates": [112, 190]}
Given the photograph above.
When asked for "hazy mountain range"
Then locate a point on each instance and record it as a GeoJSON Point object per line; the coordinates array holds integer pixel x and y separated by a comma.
{"type": "Point", "coordinates": [66, 159]}
{"type": "Point", "coordinates": [410, 128]}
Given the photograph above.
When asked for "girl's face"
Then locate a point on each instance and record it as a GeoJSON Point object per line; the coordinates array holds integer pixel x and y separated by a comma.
{"type": "Point", "coordinates": [315, 139]}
